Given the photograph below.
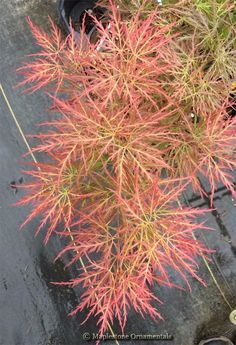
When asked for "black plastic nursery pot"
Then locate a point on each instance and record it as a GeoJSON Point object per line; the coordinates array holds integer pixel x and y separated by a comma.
{"type": "Point", "coordinates": [73, 12]}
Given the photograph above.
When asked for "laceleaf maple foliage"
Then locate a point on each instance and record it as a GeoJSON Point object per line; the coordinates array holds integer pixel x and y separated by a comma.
{"type": "Point", "coordinates": [121, 125]}
{"type": "Point", "coordinates": [205, 44]}
{"type": "Point", "coordinates": [129, 63]}
{"type": "Point", "coordinates": [117, 135]}
{"type": "Point", "coordinates": [193, 82]}
{"type": "Point", "coordinates": [52, 199]}
{"type": "Point", "coordinates": [205, 145]}
{"type": "Point", "coordinates": [129, 8]}
{"type": "Point", "coordinates": [63, 192]}
{"type": "Point", "coordinates": [152, 234]}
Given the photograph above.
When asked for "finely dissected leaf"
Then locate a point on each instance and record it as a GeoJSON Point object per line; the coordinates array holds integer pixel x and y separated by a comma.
{"type": "Point", "coordinates": [205, 145]}
{"type": "Point", "coordinates": [53, 199]}
{"type": "Point", "coordinates": [206, 45]}
{"type": "Point", "coordinates": [89, 131]}
{"type": "Point", "coordinates": [129, 64]}
{"type": "Point", "coordinates": [129, 8]}
{"type": "Point", "coordinates": [153, 236]}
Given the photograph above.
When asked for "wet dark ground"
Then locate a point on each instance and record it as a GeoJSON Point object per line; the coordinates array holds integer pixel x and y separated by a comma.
{"type": "Point", "coordinates": [34, 312]}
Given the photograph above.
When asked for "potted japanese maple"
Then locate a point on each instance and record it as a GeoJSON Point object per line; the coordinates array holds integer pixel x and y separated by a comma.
{"type": "Point", "coordinates": [135, 128]}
